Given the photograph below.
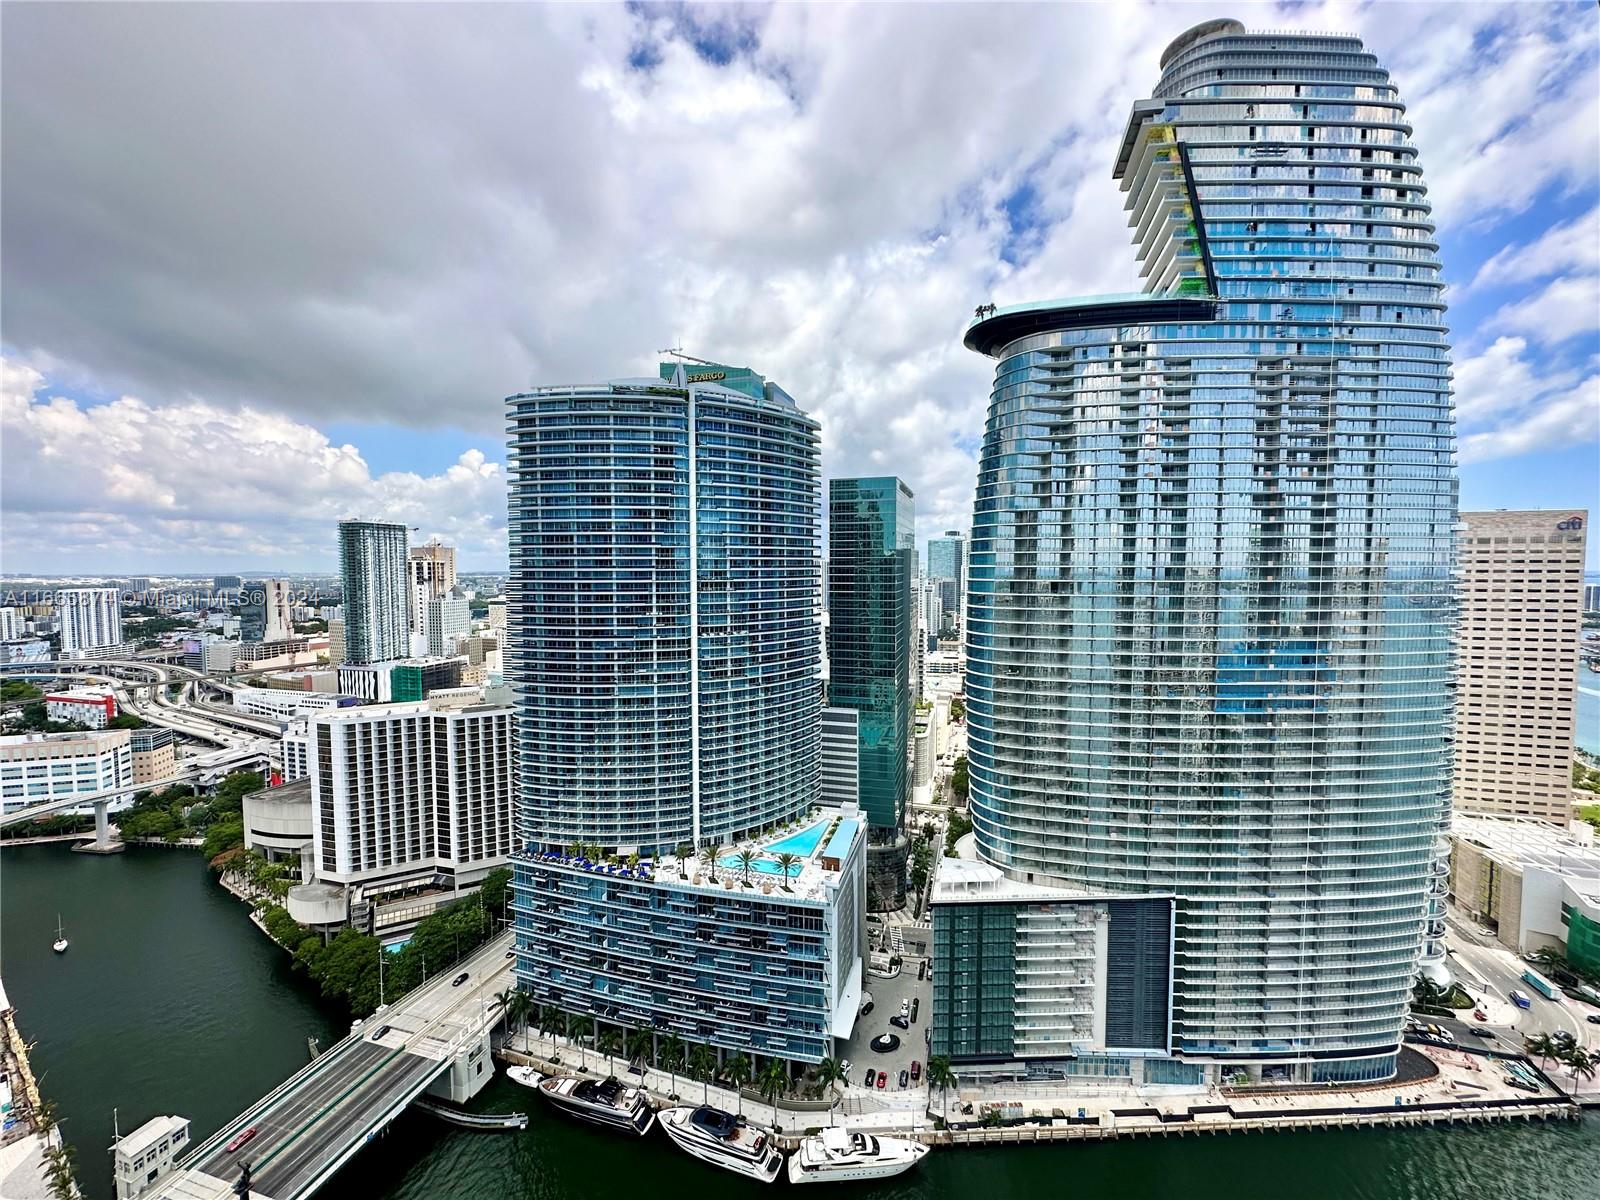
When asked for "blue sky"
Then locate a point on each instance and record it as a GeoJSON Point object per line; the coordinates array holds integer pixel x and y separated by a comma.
{"type": "Point", "coordinates": [258, 277]}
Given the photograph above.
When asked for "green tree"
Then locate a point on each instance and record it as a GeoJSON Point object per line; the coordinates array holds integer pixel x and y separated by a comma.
{"type": "Point", "coordinates": [672, 1058]}
{"type": "Point", "coordinates": [942, 1077]}
{"type": "Point", "coordinates": [1543, 1047]}
{"type": "Point", "coordinates": [959, 782]}
{"type": "Point", "coordinates": [579, 1027]}
{"type": "Point", "coordinates": [641, 1044]}
{"type": "Point", "coordinates": [708, 856]}
{"type": "Point", "coordinates": [786, 861]}
{"type": "Point", "coordinates": [957, 708]}
{"type": "Point", "coordinates": [495, 889]}
{"type": "Point", "coordinates": [702, 1066]}
{"type": "Point", "coordinates": [223, 836]}
{"type": "Point", "coordinates": [773, 1080]}
{"type": "Point", "coordinates": [609, 1043]}
{"type": "Point", "coordinates": [1580, 1062]}
{"type": "Point", "coordinates": [737, 1070]}
{"type": "Point", "coordinates": [830, 1074]}
{"type": "Point", "coordinates": [747, 859]}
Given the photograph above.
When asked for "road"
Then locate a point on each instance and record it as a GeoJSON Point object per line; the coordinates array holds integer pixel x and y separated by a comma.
{"type": "Point", "coordinates": [320, 1117]}
{"type": "Point", "coordinates": [1481, 964]}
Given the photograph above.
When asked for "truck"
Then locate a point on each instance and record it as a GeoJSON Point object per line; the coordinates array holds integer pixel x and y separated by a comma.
{"type": "Point", "coordinates": [1539, 983]}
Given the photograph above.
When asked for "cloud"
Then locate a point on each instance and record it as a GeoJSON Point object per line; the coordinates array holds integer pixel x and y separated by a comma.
{"type": "Point", "coordinates": [1567, 248]}
{"type": "Point", "coordinates": [1564, 308]}
{"type": "Point", "coordinates": [188, 483]}
{"type": "Point", "coordinates": [1506, 407]}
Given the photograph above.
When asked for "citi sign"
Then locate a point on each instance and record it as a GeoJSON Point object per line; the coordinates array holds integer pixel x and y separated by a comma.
{"type": "Point", "coordinates": [1571, 523]}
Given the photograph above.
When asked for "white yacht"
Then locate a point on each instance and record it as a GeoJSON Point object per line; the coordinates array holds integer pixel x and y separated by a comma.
{"type": "Point", "coordinates": [608, 1102]}
{"type": "Point", "coordinates": [60, 945]}
{"type": "Point", "coordinates": [842, 1154]}
{"type": "Point", "coordinates": [526, 1076]}
{"type": "Point", "coordinates": [723, 1140]}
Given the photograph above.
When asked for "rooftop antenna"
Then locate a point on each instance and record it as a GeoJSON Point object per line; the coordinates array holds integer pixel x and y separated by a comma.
{"type": "Point", "coordinates": [677, 352]}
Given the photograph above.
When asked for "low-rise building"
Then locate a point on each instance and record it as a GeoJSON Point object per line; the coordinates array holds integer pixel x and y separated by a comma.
{"type": "Point", "coordinates": [280, 704]}
{"type": "Point", "coordinates": [754, 962]}
{"type": "Point", "coordinates": [142, 1158]}
{"type": "Point", "coordinates": [39, 767]}
{"type": "Point", "coordinates": [210, 654]}
{"type": "Point", "coordinates": [277, 822]}
{"type": "Point", "coordinates": [155, 754]}
{"type": "Point", "coordinates": [93, 708]}
{"type": "Point", "coordinates": [1532, 883]}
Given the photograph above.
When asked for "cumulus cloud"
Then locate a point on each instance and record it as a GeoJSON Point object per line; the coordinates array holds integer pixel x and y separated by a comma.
{"type": "Point", "coordinates": [1506, 406]}
{"type": "Point", "coordinates": [401, 213]}
{"type": "Point", "coordinates": [188, 483]}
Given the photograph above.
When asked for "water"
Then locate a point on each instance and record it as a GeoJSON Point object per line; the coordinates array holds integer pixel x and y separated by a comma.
{"type": "Point", "coordinates": [170, 1001]}
{"type": "Point", "coordinates": [803, 843]}
{"type": "Point", "coordinates": [1588, 731]}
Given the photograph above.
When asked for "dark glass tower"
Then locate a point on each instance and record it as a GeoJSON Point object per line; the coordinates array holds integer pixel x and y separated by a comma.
{"type": "Point", "coordinates": [871, 558]}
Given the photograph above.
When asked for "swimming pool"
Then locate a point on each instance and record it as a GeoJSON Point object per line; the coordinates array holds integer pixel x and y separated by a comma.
{"type": "Point", "coordinates": [803, 843]}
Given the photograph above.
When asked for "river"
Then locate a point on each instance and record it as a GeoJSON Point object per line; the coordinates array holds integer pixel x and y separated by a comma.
{"type": "Point", "coordinates": [170, 1001]}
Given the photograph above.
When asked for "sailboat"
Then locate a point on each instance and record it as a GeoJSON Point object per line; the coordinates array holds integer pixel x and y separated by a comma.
{"type": "Point", "coordinates": [61, 943]}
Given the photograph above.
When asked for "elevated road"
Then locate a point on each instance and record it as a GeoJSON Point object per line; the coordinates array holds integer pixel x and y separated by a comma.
{"type": "Point", "coordinates": [320, 1117]}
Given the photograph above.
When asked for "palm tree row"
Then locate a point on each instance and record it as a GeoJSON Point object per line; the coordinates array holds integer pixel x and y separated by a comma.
{"type": "Point", "coordinates": [1575, 1058]}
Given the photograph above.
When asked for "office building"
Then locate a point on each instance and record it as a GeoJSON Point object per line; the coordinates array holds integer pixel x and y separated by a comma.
{"type": "Point", "coordinates": [264, 611]}
{"type": "Point", "coordinates": [432, 574]}
{"type": "Point", "coordinates": [871, 558]}
{"type": "Point", "coordinates": [407, 797]}
{"type": "Point", "coordinates": [1520, 622]}
{"type": "Point", "coordinates": [210, 654]}
{"type": "Point", "coordinates": [38, 767]}
{"type": "Point", "coordinates": [1210, 588]}
{"type": "Point", "coordinates": [283, 703]}
{"type": "Point", "coordinates": [90, 620]}
{"type": "Point", "coordinates": [93, 708]}
{"type": "Point", "coordinates": [372, 567]}
{"type": "Point", "coordinates": [447, 621]}
{"type": "Point", "coordinates": [841, 758]}
{"type": "Point", "coordinates": [662, 643]}
{"type": "Point", "coordinates": [947, 559]}
{"type": "Point", "coordinates": [155, 754]}
{"type": "Point", "coordinates": [225, 583]}
{"type": "Point", "coordinates": [1533, 884]}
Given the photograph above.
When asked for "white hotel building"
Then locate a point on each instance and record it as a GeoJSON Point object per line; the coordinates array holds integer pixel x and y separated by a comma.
{"type": "Point", "coordinates": [38, 767]}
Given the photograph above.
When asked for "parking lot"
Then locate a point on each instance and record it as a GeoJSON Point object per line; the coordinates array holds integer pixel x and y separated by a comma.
{"type": "Point", "coordinates": [887, 995]}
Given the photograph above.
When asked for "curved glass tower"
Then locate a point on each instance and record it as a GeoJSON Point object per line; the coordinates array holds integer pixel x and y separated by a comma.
{"type": "Point", "coordinates": [1210, 590]}
{"type": "Point", "coordinates": [661, 617]}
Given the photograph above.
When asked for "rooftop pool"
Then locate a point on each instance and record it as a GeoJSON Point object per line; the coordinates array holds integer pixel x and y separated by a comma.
{"type": "Point", "coordinates": [802, 843]}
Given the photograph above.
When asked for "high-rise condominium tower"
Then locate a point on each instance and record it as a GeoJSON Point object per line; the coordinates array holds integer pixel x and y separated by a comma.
{"type": "Point", "coordinates": [264, 613]}
{"type": "Point", "coordinates": [1521, 618]}
{"type": "Point", "coordinates": [372, 565]}
{"type": "Point", "coordinates": [91, 619]}
{"type": "Point", "coordinates": [432, 573]}
{"type": "Point", "coordinates": [1210, 581]}
{"type": "Point", "coordinates": [661, 618]}
{"type": "Point", "coordinates": [871, 559]}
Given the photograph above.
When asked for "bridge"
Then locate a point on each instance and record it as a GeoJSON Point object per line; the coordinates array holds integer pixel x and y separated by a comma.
{"type": "Point", "coordinates": [101, 801]}
{"type": "Point", "coordinates": [435, 1040]}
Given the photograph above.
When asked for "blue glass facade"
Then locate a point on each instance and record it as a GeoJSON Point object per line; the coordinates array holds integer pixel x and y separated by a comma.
{"type": "Point", "coordinates": [1210, 583]}
{"type": "Point", "coordinates": [661, 617]}
{"type": "Point", "coordinates": [871, 558]}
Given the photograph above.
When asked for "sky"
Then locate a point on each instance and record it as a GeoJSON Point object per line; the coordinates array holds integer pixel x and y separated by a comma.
{"type": "Point", "coordinates": [266, 266]}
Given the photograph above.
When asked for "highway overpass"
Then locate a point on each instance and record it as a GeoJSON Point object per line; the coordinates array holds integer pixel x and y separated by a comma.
{"type": "Point", "coordinates": [435, 1039]}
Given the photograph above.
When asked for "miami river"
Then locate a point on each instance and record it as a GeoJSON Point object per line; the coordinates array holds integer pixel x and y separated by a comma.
{"type": "Point", "coordinates": [170, 1001]}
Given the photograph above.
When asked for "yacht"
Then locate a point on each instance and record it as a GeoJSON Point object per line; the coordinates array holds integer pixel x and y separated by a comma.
{"type": "Point", "coordinates": [526, 1076]}
{"type": "Point", "coordinates": [60, 945]}
{"type": "Point", "coordinates": [608, 1102]}
{"type": "Point", "coordinates": [723, 1140]}
{"type": "Point", "coordinates": [842, 1154]}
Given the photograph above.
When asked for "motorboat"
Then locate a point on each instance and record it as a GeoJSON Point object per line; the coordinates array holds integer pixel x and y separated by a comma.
{"type": "Point", "coordinates": [842, 1154]}
{"type": "Point", "coordinates": [526, 1076]}
{"type": "Point", "coordinates": [60, 944]}
{"type": "Point", "coordinates": [723, 1140]}
{"type": "Point", "coordinates": [608, 1102]}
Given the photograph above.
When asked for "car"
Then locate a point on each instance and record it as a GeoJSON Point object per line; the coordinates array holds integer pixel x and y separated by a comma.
{"type": "Point", "coordinates": [511, 953]}
{"type": "Point", "coordinates": [1564, 1039]}
{"type": "Point", "coordinates": [905, 1007]}
{"type": "Point", "coordinates": [916, 1007]}
{"type": "Point", "coordinates": [883, 1080]}
{"type": "Point", "coordinates": [916, 1069]}
{"type": "Point", "coordinates": [1482, 1033]}
{"type": "Point", "coordinates": [383, 1031]}
{"type": "Point", "coordinates": [460, 979]}
{"type": "Point", "coordinates": [905, 1078]}
{"type": "Point", "coordinates": [871, 1076]}
{"type": "Point", "coordinates": [240, 1139]}
{"type": "Point", "coordinates": [900, 1022]}
{"type": "Point", "coordinates": [1479, 1015]}
{"type": "Point", "coordinates": [922, 969]}
{"type": "Point", "coordinates": [1593, 1018]}
{"type": "Point", "coordinates": [844, 1066]}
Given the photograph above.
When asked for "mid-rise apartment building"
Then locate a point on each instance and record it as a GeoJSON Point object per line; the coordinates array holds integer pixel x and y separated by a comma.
{"type": "Point", "coordinates": [90, 621]}
{"type": "Point", "coordinates": [1521, 619]}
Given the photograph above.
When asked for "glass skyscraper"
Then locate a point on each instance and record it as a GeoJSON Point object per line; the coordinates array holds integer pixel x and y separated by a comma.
{"type": "Point", "coordinates": [1210, 581]}
{"type": "Point", "coordinates": [372, 569]}
{"type": "Point", "coordinates": [661, 618]}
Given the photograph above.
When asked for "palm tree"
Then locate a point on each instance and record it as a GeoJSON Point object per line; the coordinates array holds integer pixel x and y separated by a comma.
{"type": "Point", "coordinates": [829, 1074]}
{"type": "Point", "coordinates": [786, 861]}
{"type": "Point", "coordinates": [774, 1078]}
{"type": "Point", "coordinates": [1543, 1047]}
{"type": "Point", "coordinates": [708, 856]}
{"type": "Point", "coordinates": [578, 1028]}
{"type": "Point", "coordinates": [552, 1021]}
{"type": "Point", "coordinates": [942, 1077]}
{"type": "Point", "coordinates": [519, 1008]}
{"type": "Point", "coordinates": [747, 859]}
{"type": "Point", "coordinates": [1580, 1062]}
{"type": "Point", "coordinates": [702, 1066]}
{"type": "Point", "coordinates": [1428, 994]}
{"type": "Point", "coordinates": [641, 1044]}
{"type": "Point", "coordinates": [737, 1069]}
{"type": "Point", "coordinates": [672, 1058]}
{"type": "Point", "coordinates": [609, 1043]}
{"type": "Point", "coordinates": [682, 853]}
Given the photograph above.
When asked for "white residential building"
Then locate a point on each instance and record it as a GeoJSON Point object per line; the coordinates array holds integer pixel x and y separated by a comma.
{"type": "Point", "coordinates": [297, 749]}
{"type": "Point", "coordinates": [90, 618]}
{"type": "Point", "coordinates": [12, 626]}
{"type": "Point", "coordinates": [38, 767]}
{"type": "Point", "coordinates": [448, 620]}
{"type": "Point", "coordinates": [431, 570]}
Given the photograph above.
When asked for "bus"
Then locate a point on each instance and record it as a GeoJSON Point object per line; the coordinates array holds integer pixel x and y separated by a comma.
{"type": "Point", "coordinates": [1520, 999]}
{"type": "Point", "coordinates": [1539, 983]}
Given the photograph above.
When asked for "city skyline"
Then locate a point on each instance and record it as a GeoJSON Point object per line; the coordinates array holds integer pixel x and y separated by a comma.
{"type": "Point", "coordinates": [224, 446]}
